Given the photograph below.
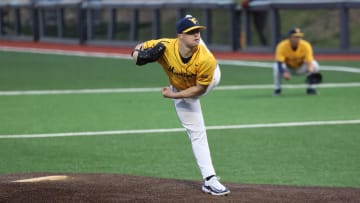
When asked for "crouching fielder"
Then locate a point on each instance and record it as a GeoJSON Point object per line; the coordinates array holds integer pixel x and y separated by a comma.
{"type": "Point", "coordinates": [294, 56]}
{"type": "Point", "coordinates": [193, 72]}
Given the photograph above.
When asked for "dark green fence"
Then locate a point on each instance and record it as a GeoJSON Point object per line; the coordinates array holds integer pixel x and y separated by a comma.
{"type": "Point", "coordinates": [126, 22]}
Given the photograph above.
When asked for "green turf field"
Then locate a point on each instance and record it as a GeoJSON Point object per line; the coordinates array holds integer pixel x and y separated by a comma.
{"type": "Point", "coordinates": [315, 155]}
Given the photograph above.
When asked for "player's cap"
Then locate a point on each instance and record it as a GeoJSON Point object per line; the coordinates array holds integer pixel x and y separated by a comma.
{"type": "Point", "coordinates": [187, 24]}
{"type": "Point", "coordinates": [296, 32]}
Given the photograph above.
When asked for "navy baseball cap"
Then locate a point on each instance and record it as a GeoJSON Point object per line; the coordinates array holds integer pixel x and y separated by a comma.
{"type": "Point", "coordinates": [187, 24]}
{"type": "Point", "coordinates": [296, 32]}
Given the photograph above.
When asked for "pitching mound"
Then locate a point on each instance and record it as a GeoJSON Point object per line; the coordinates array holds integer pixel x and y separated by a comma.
{"type": "Point", "coordinates": [124, 188]}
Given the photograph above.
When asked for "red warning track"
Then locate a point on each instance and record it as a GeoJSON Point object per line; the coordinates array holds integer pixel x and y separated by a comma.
{"type": "Point", "coordinates": [229, 55]}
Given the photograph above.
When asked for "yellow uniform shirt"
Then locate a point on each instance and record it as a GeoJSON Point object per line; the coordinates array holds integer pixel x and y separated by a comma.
{"type": "Point", "coordinates": [200, 69]}
{"type": "Point", "coordinates": [294, 58]}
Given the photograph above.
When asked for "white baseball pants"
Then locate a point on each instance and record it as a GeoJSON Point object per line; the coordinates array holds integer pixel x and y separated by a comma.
{"type": "Point", "coordinates": [299, 71]}
{"type": "Point", "coordinates": [190, 115]}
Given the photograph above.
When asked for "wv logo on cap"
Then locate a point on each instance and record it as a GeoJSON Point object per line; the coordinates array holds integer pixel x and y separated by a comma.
{"type": "Point", "coordinates": [187, 24]}
{"type": "Point", "coordinates": [193, 20]}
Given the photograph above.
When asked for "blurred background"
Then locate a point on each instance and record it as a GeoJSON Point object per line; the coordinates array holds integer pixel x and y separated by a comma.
{"type": "Point", "coordinates": [237, 25]}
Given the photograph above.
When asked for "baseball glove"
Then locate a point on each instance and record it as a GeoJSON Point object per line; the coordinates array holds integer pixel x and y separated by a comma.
{"type": "Point", "coordinates": [314, 78]}
{"type": "Point", "coordinates": [150, 54]}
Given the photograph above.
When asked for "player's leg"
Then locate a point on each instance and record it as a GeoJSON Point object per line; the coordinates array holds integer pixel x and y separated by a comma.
{"type": "Point", "coordinates": [277, 79]}
{"type": "Point", "coordinates": [191, 117]}
{"type": "Point", "coordinates": [310, 87]}
{"type": "Point", "coordinates": [190, 114]}
{"type": "Point", "coordinates": [303, 70]}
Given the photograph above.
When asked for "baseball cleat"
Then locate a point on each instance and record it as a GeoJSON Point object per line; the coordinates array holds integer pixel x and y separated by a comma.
{"type": "Point", "coordinates": [311, 91]}
{"type": "Point", "coordinates": [214, 187]}
{"type": "Point", "coordinates": [277, 92]}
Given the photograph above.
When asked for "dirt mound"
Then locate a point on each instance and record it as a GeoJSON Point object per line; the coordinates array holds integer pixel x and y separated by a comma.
{"type": "Point", "coordinates": [125, 188]}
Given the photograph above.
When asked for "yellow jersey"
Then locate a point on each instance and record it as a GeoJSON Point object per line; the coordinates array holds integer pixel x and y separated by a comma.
{"type": "Point", "coordinates": [294, 58]}
{"type": "Point", "coordinates": [199, 69]}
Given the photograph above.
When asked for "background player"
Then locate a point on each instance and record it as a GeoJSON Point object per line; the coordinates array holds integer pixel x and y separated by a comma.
{"type": "Point", "coordinates": [192, 71]}
{"type": "Point", "coordinates": [294, 55]}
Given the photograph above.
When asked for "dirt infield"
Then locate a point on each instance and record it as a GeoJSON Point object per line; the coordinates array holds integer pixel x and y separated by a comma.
{"type": "Point", "coordinates": [125, 188]}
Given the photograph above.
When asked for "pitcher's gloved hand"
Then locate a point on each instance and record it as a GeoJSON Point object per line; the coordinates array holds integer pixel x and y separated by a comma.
{"type": "Point", "coordinates": [150, 54]}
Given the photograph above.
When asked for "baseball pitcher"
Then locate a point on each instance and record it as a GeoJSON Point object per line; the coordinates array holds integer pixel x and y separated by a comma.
{"type": "Point", "coordinates": [193, 72]}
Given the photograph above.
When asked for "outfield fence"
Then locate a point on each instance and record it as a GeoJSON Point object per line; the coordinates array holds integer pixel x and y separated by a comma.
{"type": "Point", "coordinates": [126, 22]}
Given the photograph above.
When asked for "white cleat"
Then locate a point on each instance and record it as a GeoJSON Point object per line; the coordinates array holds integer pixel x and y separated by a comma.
{"type": "Point", "coordinates": [214, 187]}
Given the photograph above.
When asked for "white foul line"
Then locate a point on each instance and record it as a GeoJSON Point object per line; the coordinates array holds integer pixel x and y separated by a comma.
{"type": "Point", "coordinates": [168, 130]}
{"type": "Point", "coordinates": [158, 89]}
